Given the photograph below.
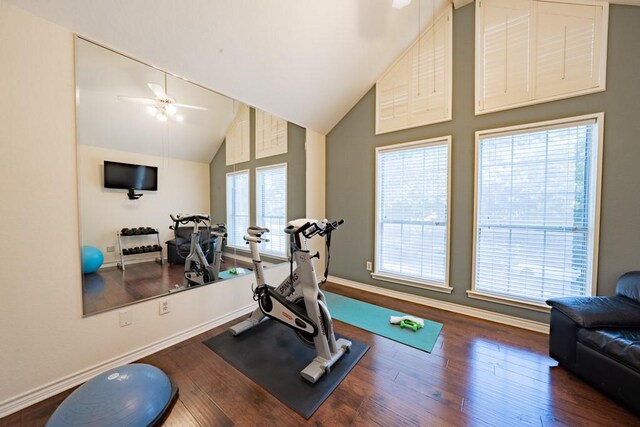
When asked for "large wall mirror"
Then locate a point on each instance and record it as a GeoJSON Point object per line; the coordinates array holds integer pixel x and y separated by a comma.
{"type": "Point", "coordinates": [122, 118]}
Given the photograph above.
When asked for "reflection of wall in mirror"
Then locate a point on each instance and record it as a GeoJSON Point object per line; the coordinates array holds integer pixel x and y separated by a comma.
{"type": "Point", "coordinates": [183, 186]}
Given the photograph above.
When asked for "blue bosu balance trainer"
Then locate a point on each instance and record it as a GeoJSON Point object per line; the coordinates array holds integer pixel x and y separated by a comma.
{"type": "Point", "coordinates": [131, 395]}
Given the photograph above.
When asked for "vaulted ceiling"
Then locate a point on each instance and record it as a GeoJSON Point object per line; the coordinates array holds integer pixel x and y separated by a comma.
{"type": "Point", "coordinates": [307, 61]}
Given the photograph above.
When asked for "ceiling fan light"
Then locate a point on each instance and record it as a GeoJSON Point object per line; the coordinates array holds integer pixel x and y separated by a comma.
{"type": "Point", "coordinates": [161, 117]}
{"type": "Point", "coordinates": [399, 4]}
{"type": "Point", "coordinates": [152, 110]}
{"type": "Point", "coordinates": [171, 109]}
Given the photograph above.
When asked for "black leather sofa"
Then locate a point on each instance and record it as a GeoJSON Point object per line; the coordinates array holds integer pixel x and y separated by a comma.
{"type": "Point", "coordinates": [598, 339]}
{"type": "Point", "coordinates": [178, 247]}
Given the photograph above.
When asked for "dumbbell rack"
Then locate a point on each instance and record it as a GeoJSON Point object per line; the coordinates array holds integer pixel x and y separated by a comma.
{"type": "Point", "coordinates": [124, 252]}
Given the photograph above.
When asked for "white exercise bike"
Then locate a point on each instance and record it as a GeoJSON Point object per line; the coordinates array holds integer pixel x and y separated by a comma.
{"type": "Point", "coordinates": [298, 302]}
{"type": "Point", "coordinates": [197, 270]}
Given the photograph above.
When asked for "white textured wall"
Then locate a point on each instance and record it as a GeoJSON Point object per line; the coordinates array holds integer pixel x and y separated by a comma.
{"type": "Point", "coordinates": [45, 344]}
{"type": "Point", "coordinates": [315, 190]}
{"type": "Point", "coordinates": [183, 187]}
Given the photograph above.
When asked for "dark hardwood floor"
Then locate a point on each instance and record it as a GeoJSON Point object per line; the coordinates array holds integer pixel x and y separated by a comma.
{"type": "Point", "coordinates": [110, 287]}
{"type": "Point", "coordinates": [479, 373]}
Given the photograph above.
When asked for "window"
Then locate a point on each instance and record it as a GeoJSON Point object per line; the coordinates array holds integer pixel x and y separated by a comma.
{"type": "Point", "coordinates": [412, 214]}
{"type": "Point", "coordinates": [272, 207]}
{"type": "Point", "coordinates": [237, 137]}
{"type": "Point", "coordinates": [237, 207]}
{"type": "Point", "coordinates": [416, 89]}
{"type": "Point", "coordinates": [528, 52]}
{"type": "Point", "coordinates": [271, 135]}
{"type": "Point", "coordinates": [536, 223]}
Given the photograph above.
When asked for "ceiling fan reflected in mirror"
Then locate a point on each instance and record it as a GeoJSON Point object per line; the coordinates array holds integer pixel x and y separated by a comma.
{"type": "Point", "coordinates": [163, 106]}
{"type": "Point", "coordinates": [399, 4]}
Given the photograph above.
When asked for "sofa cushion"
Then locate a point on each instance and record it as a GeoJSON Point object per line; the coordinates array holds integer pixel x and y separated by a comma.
{"type": "Point", "coordinates": [599, 312]}
{"type": "Point", "coordinates": [629, 286]}
{"type": "Point", "coordinates": [622, 345]}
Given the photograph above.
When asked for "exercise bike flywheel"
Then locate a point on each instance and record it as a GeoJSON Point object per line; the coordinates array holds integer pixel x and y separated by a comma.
{"type": "Point", "coordinates": [306, 337]}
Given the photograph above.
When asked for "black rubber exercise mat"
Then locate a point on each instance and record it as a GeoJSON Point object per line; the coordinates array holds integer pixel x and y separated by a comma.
{"type": "Point", "coordinates": [271, 355]}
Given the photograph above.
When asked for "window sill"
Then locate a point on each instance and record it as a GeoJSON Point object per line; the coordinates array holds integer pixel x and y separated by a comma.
{"type": "Point", "coordinates": [413, 283]}
{"type": "Point", "coordinates": [278, 257]}
{"type": "Point", "coordinates": [543, 308]}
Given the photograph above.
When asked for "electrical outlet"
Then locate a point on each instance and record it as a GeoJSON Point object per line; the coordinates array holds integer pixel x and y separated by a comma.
{"type": "Point", "coordinates": [126, 318]}
{"type": "Point", "coordinates": [369, 266]}
{"type": "Point", "coordinates": [111, 248]}
{"type": "Point", "coordinates": [163, 307]}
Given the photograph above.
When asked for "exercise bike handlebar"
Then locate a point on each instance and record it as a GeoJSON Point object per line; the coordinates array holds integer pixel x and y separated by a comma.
{"type": "Point", "coordinates": [312, 227]}
{"type": "Point", "coordinates": [190, 218]}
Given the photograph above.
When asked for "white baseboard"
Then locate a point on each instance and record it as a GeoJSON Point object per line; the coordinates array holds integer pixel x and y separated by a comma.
{"type": "Point", "coordinates": [448, 306]}
{"type": "Point", "coordinates": [41, 393]}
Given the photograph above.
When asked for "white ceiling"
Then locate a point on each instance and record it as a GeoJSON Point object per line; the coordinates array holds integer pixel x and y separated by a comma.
{"type": "Point", "coordinates": [307, 61]}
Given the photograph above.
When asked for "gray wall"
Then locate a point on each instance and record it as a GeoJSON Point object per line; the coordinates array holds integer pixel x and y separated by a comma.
{"type": "Point", "coordinates": [351, 164]}
{"type": "Point", "coordinates": [296, 169]}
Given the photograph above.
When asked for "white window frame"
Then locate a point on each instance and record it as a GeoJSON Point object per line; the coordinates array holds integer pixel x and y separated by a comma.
{"type": "Point", "coordinates": [596, 180]}
{"type": "Point", "coordinates": [230, 223]}
{"type": "Point", "coordinates": [263, 249]}
{"type": "Point", "coordinates": [407, 280]}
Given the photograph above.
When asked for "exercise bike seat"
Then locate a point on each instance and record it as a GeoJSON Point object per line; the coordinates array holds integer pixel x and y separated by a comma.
{"type": "Point", "coordinates": [257, 231]}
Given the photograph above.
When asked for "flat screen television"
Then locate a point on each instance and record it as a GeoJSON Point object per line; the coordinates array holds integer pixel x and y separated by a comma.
{"type": "Point", "coordinates": [126, 176]}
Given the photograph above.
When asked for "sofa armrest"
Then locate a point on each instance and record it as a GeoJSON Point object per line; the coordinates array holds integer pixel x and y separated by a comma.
{"type": "Point", "coordinates": [629, 286]}
{"type": "Point", "coordinates": [599, 312]}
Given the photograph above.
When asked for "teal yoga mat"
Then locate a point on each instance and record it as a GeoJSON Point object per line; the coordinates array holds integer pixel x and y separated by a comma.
{"type": "Point", "coordinates": [228, 275]}
{"type": "Point", "coordinates": [375, 319]}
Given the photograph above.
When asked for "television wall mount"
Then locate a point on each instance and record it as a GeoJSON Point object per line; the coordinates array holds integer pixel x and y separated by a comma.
{"type": "Point", "coordinates": [133, 195]}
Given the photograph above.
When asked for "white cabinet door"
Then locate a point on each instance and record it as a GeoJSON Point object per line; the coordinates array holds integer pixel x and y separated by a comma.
{"type": "Point", "coordinates": [237, 138]}
{"type": "Point", "coordinates": [567, 48]}
{"type": "Point", "coordinates": [271, 135]}
{"type": "Point", "coordinates": [503, 53]}
{"type": "Point", "coordinates": [416, 89]}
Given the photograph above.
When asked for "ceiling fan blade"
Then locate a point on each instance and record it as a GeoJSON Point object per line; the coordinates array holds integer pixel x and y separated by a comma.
{"type": "Point", "coordinates": [157, 90]}
{"type": "Point", "coordinates": [190, 106]}
{"type": "Point", "coordinates": [145, 101]}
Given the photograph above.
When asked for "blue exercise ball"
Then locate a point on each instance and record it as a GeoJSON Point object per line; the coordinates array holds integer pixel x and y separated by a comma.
{"type": "Point", "coordinates": [131, 395]}
{"type": "Point", "coordinates": [92, 259]}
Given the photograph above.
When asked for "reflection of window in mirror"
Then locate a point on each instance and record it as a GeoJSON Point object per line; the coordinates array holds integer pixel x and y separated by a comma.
{"type": "Point", "coordinates": [271, 207]}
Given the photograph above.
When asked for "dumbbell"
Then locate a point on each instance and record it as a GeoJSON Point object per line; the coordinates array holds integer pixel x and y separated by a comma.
{"type": "Point", "coordinates": [151, 230]}
{"type": "Point", "coordinates": [157, 248]}
{"type": "Point", "coordinates": [125, 232]}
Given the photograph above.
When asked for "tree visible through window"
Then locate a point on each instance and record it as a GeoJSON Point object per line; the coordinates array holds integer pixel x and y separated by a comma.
{"type": "Point", "coordinates": [412, 191]}
{"type": "Point", "coordinates": [536, 211]}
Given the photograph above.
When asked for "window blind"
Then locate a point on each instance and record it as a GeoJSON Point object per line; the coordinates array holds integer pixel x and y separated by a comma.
{"type": "Point", "coordinates": [271, 205]}
{"type": "Point", "coordinates": [535, 212]}
{"type": "Point", "coordinates": [237, 207]}
{"type": "Point", "coordinates": [412, 209]}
